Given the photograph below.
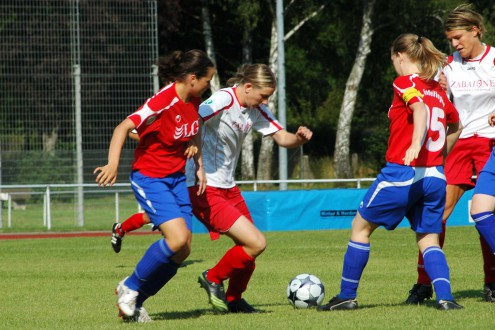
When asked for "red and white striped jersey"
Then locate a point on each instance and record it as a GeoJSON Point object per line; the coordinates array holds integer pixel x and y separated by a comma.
{"type": "Point", "coordinates": [165, 125]}
{"type": "Point", "coordinates": [407, 91]}
{"type": "Point", "coordinates": [471, 83]}
{"type": "Point", "coordinates": [226, 124]}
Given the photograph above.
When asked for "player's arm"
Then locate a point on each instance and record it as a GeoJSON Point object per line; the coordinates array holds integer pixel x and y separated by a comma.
{"type": "Point", "coordinates": [198, 159]}
{"type": "Point", "coordinates": [292, 140]}
{"type": "Point", "coordinates": [453, 132]}
{"type": "Point", "coordinates": [108, 174]}
{"type": "Point", "coordinates": [419, 132]}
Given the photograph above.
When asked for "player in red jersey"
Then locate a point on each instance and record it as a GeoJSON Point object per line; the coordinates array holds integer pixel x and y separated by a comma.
{"type": "Point", "coordinates": [470, 80]}
{"type": "Point", "coordinates": [423, 125]}
{"type": "Point", "coordinates": [165, 123]}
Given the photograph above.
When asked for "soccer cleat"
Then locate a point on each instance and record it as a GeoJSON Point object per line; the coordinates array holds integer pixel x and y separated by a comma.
{"type": "Point", "coordinates": [489, 291]}
{"type": "Point", "coordinates": [446, 305]}
{"type": "Point", "coordinates": [216, 293]}
{"type": "Point", "coordinates": [140, 316]}
{"type": "Point", "coordinates": [337, 303]}
{"type": "Point", "coordinates": [126, 299]}
{"type": "Point", "coordinates": [419, 293]}
{"type": "Point", "coordinates": [116, 237]}
{"type": "Point", "coordinates": [241, 306]}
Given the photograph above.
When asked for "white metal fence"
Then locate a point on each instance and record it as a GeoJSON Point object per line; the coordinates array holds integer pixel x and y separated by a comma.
{"type": "Point", "coordinates": [53, 205]}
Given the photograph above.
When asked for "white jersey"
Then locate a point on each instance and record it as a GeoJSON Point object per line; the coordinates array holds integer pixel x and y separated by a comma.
{"type": "Point", "coordinates": [226, 124]}
{"type": "Point", "coordinates": [471, 84]}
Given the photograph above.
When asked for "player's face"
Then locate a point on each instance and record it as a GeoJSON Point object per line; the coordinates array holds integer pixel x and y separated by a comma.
{"type": "Point", "coordinates": [258, 96]}
{"type": "Point", "coordinates": [202, 84]}
{"type": "Point", "coordinates": [465, 42]}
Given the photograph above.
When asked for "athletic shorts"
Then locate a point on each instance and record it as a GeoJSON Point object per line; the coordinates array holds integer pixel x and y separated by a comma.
{"type": "Point", "coordinates": [417, 193]}
{"type": "Point", "coordinates": [218, 209]}
{"type": "Point", "coordinates": [466, 159]}
{"type": "Point", "coordinates": [163, 199]}
{"type": "Point", "coordinates": [486, 179]}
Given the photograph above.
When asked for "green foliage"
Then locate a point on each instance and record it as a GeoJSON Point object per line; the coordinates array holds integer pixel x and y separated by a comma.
{"type": "Point", "coordinates": [69, 283]}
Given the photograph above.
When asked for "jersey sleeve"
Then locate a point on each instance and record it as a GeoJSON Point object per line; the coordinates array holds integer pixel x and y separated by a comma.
{"type": "Point", "coordinates": [405, 89]}
{"type": "Point", "coordinates": [219, 101]}
{"type": "Point", "coordinates": [266, 124]}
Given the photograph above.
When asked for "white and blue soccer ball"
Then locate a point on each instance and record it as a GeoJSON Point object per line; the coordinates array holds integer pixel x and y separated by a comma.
{"type": "Point", "coordinates": [305, 291]}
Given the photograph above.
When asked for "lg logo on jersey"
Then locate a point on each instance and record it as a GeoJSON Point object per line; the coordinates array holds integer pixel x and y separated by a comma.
{"type": "Point", "coordinates": [185, 130]}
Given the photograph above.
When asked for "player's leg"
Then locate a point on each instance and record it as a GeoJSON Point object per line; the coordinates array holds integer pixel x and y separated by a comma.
{"type": "Point", "coordinates": [437, 269]}
{"type": "Point", "coordinates": [484, 162]}
{"type": "Point", "coordinates": [355, 260]}
{"type": "Point", "coordinates": [458, 172]}
{"type": "Point", "coordinates": [171, 212]}
{"type": "Point", "coordinates": [132, 223]}
{"type": "Point", "coordinates": [422, 290]}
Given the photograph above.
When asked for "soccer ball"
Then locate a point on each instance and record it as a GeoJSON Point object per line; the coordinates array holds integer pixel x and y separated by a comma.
{"type": "Point", "coordinates": [305, 290]}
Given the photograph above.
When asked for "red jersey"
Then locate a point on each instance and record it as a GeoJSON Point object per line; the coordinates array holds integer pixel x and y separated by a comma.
{"type": "Point", "coordinates": [440, 111]}
{"type": "Point", "coordinates": [165, 124]}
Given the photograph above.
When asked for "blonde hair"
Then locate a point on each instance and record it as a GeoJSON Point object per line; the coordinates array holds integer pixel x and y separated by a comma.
{"type": "Point", "coordinates": [260, 75]}
{"type": "Point", "coordinates": [464, 17]}
{"type": "Point", "coordinates": [422, 52]}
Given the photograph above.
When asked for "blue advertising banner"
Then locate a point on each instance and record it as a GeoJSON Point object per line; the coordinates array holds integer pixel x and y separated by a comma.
{"type": "Point", "coordinates": [319, 209]}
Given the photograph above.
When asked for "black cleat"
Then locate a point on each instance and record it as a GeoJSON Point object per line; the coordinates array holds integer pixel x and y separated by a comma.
{"type": "Point", "coordinates": [489, 292]}
{"type": "Point", "coordinates": [241, 306]}
{"type": "Point", "coordinates": [216, 293]}
{"type": "Point", "coordinates": [337, 303]}
{"type": "Point", "coordinates": [446, 305]}
{"type": "Point", "coordinates": [116, 238]}
{"type": "Point", "coordinates": [419, 293]}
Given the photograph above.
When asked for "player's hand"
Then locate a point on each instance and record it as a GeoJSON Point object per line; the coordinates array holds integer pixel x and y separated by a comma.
{"type": "Point", "coordinates": [304, 134]}
{"type": "Point", "coordinates": [201, 180]}
{"type": "Point", "coordinates": [191, 151]}
{"type": "Point", "coordinates": [491, 119]}
{"type": "Point", "coordinates": [107, 175]}
{"type": "Point", "coordinates": [442, 80]}
{"type": "Point", "coordinates": [411, 154]}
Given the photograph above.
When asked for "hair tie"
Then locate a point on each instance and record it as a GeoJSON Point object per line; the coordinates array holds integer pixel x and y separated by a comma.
{"type": "Point", "coordinates": [420, 39]}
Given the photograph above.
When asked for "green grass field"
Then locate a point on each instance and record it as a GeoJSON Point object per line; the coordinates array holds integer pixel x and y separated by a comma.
{"type": "Point", "coordinates": [68, 283]}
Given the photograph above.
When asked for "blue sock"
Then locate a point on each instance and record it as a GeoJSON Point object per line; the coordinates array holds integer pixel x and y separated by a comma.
{"type": "Point", "coordinates": [150, 267]}
{"type": "Point", "coordinates": [355, 259]}
{"type": "Point", "coordinates": [158, 281]}
{"type": "Point", "coordinates": [485, 224]}
{"type": "Point", "coordinates": [437, 269]}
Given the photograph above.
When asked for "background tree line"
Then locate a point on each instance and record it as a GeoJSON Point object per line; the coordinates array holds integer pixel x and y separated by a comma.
{"type": "Point", "coordinates": [336, 56]}
{"type": "Point", "coordinates": [319, 57]}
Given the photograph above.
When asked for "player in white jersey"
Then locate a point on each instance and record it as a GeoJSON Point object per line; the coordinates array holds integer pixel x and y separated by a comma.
{"type": "Point", "coordinates": [229, 115]}
{"type": "Point", "coordinates": [470, 81]}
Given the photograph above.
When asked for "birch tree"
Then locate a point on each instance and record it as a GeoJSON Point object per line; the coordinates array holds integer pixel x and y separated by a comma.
{"type": "Point", "coordinates": [265, 159]}
{"type": "Point", "coordinates": [342, 166]}
{"type": "Point", "coordinates": [210, 49]}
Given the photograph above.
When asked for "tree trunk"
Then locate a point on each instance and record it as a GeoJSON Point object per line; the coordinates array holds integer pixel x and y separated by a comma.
{"type": "Point", "coordinates": [247, 155]}
{"type": "Point", "coordinates": [210, 49]}
{"type": "Point", "coordinates": [342, 166]}
{"type": "Point", "coordinates": [265, 159]}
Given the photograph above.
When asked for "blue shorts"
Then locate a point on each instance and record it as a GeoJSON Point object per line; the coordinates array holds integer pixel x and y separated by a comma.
{"type": "Point", "coordinates": [163, 199]}
{"type": "Point", "coordinates": [485, 183]}
{"type": "Point", "coordinates": [417, 193]}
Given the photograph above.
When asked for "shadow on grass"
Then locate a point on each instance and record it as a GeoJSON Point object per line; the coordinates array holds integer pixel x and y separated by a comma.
{"type": "Point", "coordinates": [469, 294]}
{"type": "Point", "coordinates": [193, 314]}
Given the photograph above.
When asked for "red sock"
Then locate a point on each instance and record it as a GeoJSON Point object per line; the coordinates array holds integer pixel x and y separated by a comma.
{"type": "Point", "coordinates": [238, 282]}
{"type": "Point", "coordinates": [134, 222]}
{"type": "Point", "coordinates": [488, 261]}
{"type": "Point", "coordinates": [235, 258]}
{"type": "Point", "coordinates": [423, 278]}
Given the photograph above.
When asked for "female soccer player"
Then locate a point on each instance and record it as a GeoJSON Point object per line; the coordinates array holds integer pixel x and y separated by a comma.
{"type": "Point", "coordinates": [483, 204]}
{"type": "Point", "coordinates": [229, 115]}
{"type": "Point", "coordinates": [469, 74]}
{"type": "Point", "coordinates": [412, 184]}
{"type": "Point", "coordinates": [165, 123]}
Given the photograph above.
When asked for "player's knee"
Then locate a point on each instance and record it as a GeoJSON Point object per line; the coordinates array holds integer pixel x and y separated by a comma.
{"type": "Point", "coordinates": [259, 245]}
{"type": "Point", "coordinates": [179, 242]}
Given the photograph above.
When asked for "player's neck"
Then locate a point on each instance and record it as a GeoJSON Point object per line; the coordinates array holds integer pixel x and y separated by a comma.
{"type": "Point", "coordinates": [182, 91]}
